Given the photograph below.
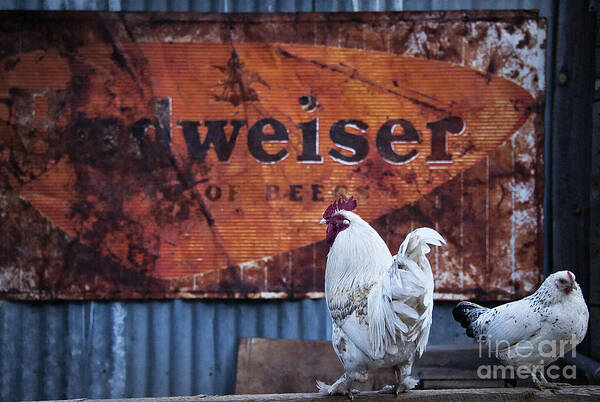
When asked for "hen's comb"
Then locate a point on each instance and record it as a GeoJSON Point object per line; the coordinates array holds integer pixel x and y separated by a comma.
{"type": "Point", "coordinates": [339, 204]}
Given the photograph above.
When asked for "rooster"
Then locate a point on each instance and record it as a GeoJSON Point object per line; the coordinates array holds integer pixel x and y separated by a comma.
{"type": "Point", "coordinates": [533, 331]}
{"type": "Point", "coordinates": [380, 304]}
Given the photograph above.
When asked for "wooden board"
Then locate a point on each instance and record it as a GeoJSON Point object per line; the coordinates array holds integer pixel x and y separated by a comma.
{"type": "Point", "coordinates": [267, 366]}
{"type": "Point", "coordinates": [192, 155]}
{"type": "Point", "coordinates": [580, 393]}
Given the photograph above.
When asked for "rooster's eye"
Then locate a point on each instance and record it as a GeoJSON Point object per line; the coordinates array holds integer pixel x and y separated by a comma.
{"type": "Point", "coordinates": [346, 222]}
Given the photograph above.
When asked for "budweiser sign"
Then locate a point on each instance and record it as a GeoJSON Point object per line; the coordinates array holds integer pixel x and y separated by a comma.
{"type": "Point", "coordinates": [192, 155]}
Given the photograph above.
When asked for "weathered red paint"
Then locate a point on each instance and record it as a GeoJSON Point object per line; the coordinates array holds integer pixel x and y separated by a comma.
{"type": "Point", "coordinates": [112, 189]}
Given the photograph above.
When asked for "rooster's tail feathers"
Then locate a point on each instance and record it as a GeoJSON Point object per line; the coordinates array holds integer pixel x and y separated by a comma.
{"type": "Point", "coordinates": [415, 248]}
{"type": "Point", "coordinates": [467, 313]}
{"type": "Point", "coordinates": [416, 242]}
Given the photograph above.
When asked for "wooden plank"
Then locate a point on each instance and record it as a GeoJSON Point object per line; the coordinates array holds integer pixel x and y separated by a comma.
{"type": "Point", "coordinates": [290, 365]}
{"type": "Point", "coordinates": [446, 374]}
{"type": "Point", "coordinates": [266, 364]}
{"type": "Point", "coordinates": [282, 365]}
{"type": "Point", "coordinates": [445, 384]}
{"type": "Point", "coordinates": [577, 393]}
{"type": "Point", "coordinates": [455, 356]}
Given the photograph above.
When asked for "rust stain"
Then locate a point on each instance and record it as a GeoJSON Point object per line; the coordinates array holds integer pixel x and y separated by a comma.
{"type": "Point", "coordinates": [107, 170]}
{"type": "Point", "coordinates": [237, 85]}
{"type": "Point", "coordinates": [354, 74]}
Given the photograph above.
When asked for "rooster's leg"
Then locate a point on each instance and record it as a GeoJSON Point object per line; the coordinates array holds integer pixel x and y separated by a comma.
{"type": "Point", "coordinates": [391, 389]}
{"type": "Point", "coordinates": [397, 388]}
{"type": "Point", "coordinates": [403, 378]}
{"type": "Point", "coordinates": [400, 374]}
{"type": "Point", "coordinates": [404, 381]}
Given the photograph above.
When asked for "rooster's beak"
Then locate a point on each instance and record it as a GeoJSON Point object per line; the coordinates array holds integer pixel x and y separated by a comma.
{"type": "Point", "coordinates": [323, 221]}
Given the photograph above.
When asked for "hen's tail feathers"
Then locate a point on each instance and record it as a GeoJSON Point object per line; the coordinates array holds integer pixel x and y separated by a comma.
{"type": "Point", "coordinates": [467, 313]}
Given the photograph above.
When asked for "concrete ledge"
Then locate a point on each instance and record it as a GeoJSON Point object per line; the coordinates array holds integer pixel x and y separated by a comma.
{"type": "Point", "coordinates": [571, 393]}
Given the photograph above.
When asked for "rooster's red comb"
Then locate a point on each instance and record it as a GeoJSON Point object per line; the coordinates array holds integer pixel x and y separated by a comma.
{"type": "Point", "coordinates": [340, 203]}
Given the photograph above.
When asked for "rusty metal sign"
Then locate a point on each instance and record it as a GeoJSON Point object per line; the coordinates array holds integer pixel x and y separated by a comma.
{"type": "Point", "coordinates": [192, 155]}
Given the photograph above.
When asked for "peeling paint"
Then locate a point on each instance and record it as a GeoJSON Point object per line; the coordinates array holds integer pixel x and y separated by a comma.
{"type": "Point", "coordinates": [168, 231]}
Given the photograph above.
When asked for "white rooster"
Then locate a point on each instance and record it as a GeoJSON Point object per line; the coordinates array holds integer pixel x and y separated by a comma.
{"type": "Point", "coordinates": [533, 331]}
{"type": "Point", "coordinates": [381, 305]}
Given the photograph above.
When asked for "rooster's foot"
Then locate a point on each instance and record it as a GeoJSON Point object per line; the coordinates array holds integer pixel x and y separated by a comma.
{"type": "Point", "coordinates": [388, 389]}
{"type": "Point", "coordinates": [393, 389]}
{"type": "Point", "coordinates": [340, 387]}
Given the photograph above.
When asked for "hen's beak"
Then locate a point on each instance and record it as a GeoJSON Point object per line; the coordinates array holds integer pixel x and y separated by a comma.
{"type": "Point", "coordinates": [323, 221]}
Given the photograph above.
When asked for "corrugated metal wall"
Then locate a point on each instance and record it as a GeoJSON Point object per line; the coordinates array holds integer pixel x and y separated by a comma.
{"type": "Point", "coordinates": [158, 348]}
{"type": "Point", "coordinates": [145, 348]}
{"type": "Point", "coordinates": [285, 6]}
{"type": "Point", "coordinates": [150, 348]}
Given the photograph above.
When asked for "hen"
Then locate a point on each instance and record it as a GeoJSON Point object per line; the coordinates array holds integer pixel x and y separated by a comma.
{"type": "Point", "coordinates": [533, 331]}
{"type": "Point", "coordinates": [380, 304]}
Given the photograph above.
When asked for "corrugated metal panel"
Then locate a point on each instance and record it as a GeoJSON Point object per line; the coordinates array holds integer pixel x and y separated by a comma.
{"type": "Point", "coordinates": [148, 348]}
{"type": "Point", "coordinates": [157, 348]}
{"type": "Point", "coordinates": [236, 6]}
